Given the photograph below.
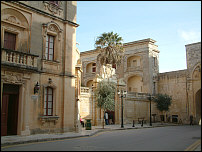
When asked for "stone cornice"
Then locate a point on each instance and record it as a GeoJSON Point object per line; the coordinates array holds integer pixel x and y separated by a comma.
{"type": "Point", "coordinates": [193, 43]}
{"type": "Point", "coordinates": [139, 42]}
{"type": "Point", "coordinates": [144, 41]}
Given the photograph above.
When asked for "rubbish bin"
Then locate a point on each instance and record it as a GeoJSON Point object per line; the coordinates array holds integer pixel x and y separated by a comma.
{"type": "Point", "coordinates": [88, 124]}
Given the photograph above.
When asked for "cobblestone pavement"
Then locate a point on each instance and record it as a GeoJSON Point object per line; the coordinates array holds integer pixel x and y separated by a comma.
{"type": "Point", "coordinates": [17, 139]}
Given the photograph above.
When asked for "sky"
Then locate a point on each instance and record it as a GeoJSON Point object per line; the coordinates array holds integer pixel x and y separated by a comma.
{"type": "Point", "coordinates": [172, 24]}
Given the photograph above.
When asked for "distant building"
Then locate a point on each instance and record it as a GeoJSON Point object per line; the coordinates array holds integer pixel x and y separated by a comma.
{"type": "Point", "coordinates": [39, 85]}
{"type": "Point", "coordinates": [140, 72]}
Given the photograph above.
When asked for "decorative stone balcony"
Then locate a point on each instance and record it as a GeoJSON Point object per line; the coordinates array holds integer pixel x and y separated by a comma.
{"type": "Point", "coordinates": [90, 75]}
{"type": "Point", "coordinates": [132, 69]}
{"type": "Point", "coordinates": [137, 96]}
{"type": "Point", "coordinates": [19, 59]}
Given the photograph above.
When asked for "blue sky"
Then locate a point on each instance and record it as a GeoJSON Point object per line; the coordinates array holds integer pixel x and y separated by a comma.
{"type": "Point", "coordinates": [173, 24]}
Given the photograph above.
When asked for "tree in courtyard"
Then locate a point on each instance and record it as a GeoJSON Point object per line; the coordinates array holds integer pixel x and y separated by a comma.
{"type": "Point", "coordinates": [111, 48]}
{"type": "Point", "coordinates": [163, 101]}
{"type": "Point", "coordinates": [105, 95]}
{"type": "Point", "coordinates": [111, 51]}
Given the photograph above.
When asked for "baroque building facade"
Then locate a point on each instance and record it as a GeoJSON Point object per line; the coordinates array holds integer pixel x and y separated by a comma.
{"type": "Point", "coordinates": [47, 84]}
{"type": "Point", "coordinates": [39, 67]}
{"type": "Point", "coordinates": [139, 71]}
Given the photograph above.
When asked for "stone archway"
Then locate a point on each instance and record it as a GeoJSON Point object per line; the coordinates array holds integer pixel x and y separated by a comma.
{"type": "Point", "coordinates": [135, 84]}
{"type": "Point", "coordinates": [89, 83]}
{"type": "Point", "coordinates": [198, 105]}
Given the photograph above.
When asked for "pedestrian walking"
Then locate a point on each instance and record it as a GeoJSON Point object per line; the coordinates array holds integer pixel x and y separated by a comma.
{"type": "Point", "coordinates": [82, 122]}
{"type": "Point", "coordinates": [106, 118]}
{"type": "Point", "coordinates": [191, 119]}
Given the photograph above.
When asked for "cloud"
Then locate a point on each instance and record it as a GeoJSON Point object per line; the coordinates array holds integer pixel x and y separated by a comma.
{"type": "Point", "coordinates": [190, 36]}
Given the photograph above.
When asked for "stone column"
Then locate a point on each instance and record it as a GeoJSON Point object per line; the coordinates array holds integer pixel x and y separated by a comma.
{"type": "Point", "coordinates": [25, 109]}
{"type": "Point", "coordinates": [1, 92]}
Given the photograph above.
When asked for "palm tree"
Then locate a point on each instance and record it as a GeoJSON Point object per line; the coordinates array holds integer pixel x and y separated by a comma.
{"type": "Point", "coordinates": [111, 48]}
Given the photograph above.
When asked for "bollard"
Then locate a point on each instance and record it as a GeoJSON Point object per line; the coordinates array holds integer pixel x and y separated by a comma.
{"type": "Point", "coordinates": [133, 123]}
{"type": "Point", "coordinates": [142, 123]}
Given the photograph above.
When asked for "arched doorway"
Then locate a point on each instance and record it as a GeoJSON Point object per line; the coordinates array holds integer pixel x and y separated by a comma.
{"type": "Point", "coordinates": [198, 105]}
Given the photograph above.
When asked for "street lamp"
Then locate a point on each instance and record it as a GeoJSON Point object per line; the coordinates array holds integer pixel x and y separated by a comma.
{"type": "Point", "coordinates": [122, 94]}
{"type": "Point", "coordinates": [150, 97]}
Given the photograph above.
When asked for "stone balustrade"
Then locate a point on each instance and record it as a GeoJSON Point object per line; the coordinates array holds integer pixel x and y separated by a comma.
{"type": "Point", "coordinates": [137, 68]}
{"type": "Point", "coordinates": [19, 59]}
{"type": "Point", "coordinates": [138, 95]}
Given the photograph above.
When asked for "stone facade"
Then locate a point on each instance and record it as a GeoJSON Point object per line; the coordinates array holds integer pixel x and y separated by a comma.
{"type": "Point", "coordinates": [26, 65]}
{"type": "Point", "coordinates": [68, 78]}
{"type": "Point", "coordinates": [140, 72]}
{"type": "Point", "coordinates": [139, 58]}
{"type": "Point", "coordinates": [193, 53]}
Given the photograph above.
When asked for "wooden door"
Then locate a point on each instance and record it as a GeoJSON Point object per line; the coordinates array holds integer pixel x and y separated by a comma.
{"type": "Point", "coordinates": [4, 114]}
{"type": "Point", "coordinates": [12, 115]}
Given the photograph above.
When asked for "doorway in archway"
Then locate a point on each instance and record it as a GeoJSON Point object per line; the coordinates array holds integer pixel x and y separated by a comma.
{"type": "Point", "coordinates": [198, 105]}
{"type": "Point", "coordinates": [111, 116]}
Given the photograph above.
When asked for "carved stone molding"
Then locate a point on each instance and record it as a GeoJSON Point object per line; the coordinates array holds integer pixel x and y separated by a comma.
{"type": "Point", "coordinates": [13, 19]}
{"type": "Point", "coordinates": [52, 28]}
{"type": "Point", "coordinates": [45, 119]}
{"type": "Point", "coordinates": [54, 9]}
{"type": "Point", "coordinates": [12, 78]}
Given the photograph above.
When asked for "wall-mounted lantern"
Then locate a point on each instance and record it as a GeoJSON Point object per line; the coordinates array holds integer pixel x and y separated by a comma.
{"type": "Point", "coordinates": [50, 80]}
{"type": "Point", "coordinates": [36, 88]}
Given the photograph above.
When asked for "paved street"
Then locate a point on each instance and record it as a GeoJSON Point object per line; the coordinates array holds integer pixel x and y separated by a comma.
{"type": "Point", "coordinates": [170, 138]}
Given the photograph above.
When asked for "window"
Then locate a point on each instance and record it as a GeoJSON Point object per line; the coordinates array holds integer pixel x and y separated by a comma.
{"type": "Point", "coordinates": [128, 63]}
{"type": "Point", "coordinates": [49, 47]}
{"type": "Point", "coordinates": [134, 63]}
{"type": "Point", "coordinates": [155, 61]}
{"type": "Point", "coordinates": [94, 67]}
{"type": "Point", "coordinates": [114, 66]}
{"type": "Point", "coordinates": [135, 90]}
{"type": "Point", "coordinates": [9, 40]}
{"type": "Point", "coordinates": [48, 102]}
{"type": "Point", "coordinates": [154, 91]}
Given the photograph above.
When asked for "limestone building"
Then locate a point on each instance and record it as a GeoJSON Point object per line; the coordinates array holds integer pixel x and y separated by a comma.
{"type": "Point", "coordinates": [140, 72]}
{"type": "Point", "coordinates": [39, 67]}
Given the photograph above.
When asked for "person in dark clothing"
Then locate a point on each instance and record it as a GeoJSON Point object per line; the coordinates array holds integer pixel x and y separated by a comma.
{"type": "Point", "coordinates": [82, 122]}
{"type": "Point", "coordinates": [191, 120]}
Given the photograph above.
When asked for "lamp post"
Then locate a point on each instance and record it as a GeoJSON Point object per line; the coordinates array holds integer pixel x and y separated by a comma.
{"type": "Point", "coordinates": [150, 97]}
{"type": "Point", "coordinates": [122, 94]}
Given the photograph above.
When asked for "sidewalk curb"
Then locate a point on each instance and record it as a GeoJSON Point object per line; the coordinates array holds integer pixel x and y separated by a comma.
{"type": "Point", "coordinates": [77, 136]}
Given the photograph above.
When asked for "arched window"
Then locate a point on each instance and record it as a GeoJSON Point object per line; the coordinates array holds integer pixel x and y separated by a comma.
{"type": "Point", "coordinates": [48, 101]}
{"type": "Point", "coordinates": [52, 41]}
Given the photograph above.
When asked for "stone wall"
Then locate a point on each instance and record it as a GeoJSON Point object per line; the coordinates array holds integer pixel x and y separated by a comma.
{"type": "Point", "coordinates": [174, 84]}
{"type": "Point", "coordinates": [85, 103]}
